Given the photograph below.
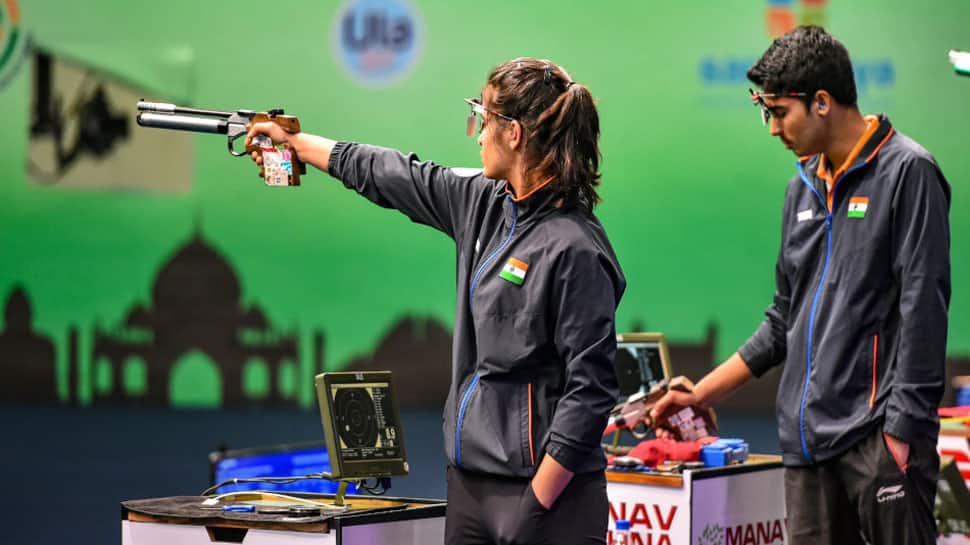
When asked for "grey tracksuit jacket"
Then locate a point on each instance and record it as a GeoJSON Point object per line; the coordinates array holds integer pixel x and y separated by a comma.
{"type": "Point", "coordinates": [859, 317]}
{"type": "Point", "coordinates": [532, 361]}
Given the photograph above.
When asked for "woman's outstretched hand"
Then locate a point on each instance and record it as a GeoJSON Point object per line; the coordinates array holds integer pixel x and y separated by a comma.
{"type": "Point", "coordinates": [270, 129]}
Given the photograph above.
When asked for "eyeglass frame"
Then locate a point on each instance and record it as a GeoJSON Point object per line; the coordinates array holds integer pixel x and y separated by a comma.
{"type": "Point", "coordinates": [758, 99]}
{"type": "Point", "coordinates": [479, 109]}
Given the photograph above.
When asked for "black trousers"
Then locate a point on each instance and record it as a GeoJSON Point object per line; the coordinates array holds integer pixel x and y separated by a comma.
{"type": "Point", "coordinates": [863, 496]}
{"type": "Point", "coordinates": [490, 510]}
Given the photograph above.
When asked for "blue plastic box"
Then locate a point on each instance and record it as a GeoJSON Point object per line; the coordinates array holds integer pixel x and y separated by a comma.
{"type": "Point", "coordinates": [724, 452]}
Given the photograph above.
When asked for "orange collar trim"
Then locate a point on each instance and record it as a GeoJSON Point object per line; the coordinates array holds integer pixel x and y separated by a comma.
{"type": "Point", "coordinates": [872, 124]}
{"type": "Point", "coordinates": [881, 144]}
{"type": "Point", "coordinates": [529, 194]}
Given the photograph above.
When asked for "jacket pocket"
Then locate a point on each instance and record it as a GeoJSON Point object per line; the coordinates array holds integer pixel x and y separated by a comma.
{"type": "Point", "coordinates": [895, 458]}
{"type": "Point", "coordinates": [464, 397]}
{"type": "Point", "coordinates": [528, 443]}
{"type": "Point", "coordinates": [875, 370]}
{"type": "Point", "coordinates": [449, 418]}
{"type": "Point", "coordinates": [840, 390]}
{"type": "Point", "coordinates": [493, 428]}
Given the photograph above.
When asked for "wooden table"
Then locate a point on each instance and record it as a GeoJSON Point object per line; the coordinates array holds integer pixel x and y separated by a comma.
{"type": "Point", "coordinates": [414, 522]}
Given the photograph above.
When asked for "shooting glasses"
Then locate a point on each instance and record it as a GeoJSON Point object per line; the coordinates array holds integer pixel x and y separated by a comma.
{"type": "Point", "coordinates": [478, 111]}
{"type": "Point", "coordinates": [758, 99]}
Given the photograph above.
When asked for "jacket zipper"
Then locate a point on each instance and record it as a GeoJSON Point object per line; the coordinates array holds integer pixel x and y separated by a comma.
{"type": "Point", "coordinates": [818, 293]}
{"type": "Point", "coordinates": [493, 255]}
{"type": "Point", "coordinates": [471, 291]}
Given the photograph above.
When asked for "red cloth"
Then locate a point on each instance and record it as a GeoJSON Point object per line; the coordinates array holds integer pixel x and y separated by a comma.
{"type": "Point", "coordinates": [658, 451]}
{"type": "Point", "coordinates": [951, 412]}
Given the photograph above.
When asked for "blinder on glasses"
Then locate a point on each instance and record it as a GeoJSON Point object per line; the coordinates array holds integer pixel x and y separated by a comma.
{"type": "Point", "coordinates": [478, 111]}
{"type": "Point", "coordinates": [758, 99]}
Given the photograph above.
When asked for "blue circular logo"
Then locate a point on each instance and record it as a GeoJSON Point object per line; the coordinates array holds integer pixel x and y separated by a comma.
{"type": "Point", "coordinates": [377, 42]}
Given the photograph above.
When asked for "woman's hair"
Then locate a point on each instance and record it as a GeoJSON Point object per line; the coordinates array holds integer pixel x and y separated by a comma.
{"type": "Point", "coordinates": [560, 122]}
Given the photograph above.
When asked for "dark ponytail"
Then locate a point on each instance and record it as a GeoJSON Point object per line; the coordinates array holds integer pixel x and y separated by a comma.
{"type": "Point", "coordinates": [561, 126]}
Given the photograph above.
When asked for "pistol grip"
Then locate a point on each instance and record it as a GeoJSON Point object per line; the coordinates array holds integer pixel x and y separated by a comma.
{"type": "Point", "coordinates": [290, 124]}
{"type": "Point", "coordinates": [296, 167]}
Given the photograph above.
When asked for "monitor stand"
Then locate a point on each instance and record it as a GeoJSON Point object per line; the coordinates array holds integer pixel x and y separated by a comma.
{"type": "Point", "coordinates": [338, 498]}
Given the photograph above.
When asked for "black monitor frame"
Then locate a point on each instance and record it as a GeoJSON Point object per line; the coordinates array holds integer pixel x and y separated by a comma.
{"type": "Point", "coordinates": [658, 341]}
{"type": "Point", "coordinates": [327, 384]}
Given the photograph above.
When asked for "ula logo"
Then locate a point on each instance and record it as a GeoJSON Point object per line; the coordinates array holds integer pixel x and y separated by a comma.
{"type": "Point", "coordinates": [377, 42]}
{"type": "Point", "coordinates": [14, 41]}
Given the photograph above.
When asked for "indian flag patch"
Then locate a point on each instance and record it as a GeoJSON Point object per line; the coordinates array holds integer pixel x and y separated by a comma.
{"type": "Point", "coordinates": [858, 207]}
{"type": "Point", "coordinates": [514, 271]}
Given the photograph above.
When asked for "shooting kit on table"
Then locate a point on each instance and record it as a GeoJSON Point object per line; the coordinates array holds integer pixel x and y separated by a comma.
{"type": "Point", "coordinates": [644, 371]}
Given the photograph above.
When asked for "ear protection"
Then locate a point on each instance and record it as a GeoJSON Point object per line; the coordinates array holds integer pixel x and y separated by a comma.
{"type": "Point", "coordinates": [821, 104]}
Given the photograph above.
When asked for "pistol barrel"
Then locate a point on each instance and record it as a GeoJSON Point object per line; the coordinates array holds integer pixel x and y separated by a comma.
{"type": "Point", "coordinates": [182, 122]}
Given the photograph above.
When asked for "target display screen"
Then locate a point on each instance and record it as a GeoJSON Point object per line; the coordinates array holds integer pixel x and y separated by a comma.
{"type": "Point", "coordinates": [365, 421]}
{"type": "Point", "coordinates": [638, 367]}
{"type": "Point", "coordinates": [642, 361]}
{"type": "Point", "coordinates": [361, 424]}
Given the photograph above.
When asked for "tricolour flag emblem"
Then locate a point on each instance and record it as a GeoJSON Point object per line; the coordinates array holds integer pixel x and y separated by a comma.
{"type": "Point", "coordinates": [514, 271]}
{"type": "Point", "coordinates": [858, 207]}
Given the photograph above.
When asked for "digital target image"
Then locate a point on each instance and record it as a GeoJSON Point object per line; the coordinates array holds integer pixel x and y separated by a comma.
{"type": "Point", "coordinates": [364, 421]}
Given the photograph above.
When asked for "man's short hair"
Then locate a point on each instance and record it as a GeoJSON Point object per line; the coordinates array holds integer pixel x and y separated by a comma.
{"type": "Point", "coordinates": [806, 60]}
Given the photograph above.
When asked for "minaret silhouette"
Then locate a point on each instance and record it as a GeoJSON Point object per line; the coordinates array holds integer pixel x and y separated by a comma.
{"type": "Point", "coordinates": [28, 366]}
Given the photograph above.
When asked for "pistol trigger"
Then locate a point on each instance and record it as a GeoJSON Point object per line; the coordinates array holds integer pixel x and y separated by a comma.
{"type": "Point", "coordinates": [232, 148]}
{"type": "Point", "coordinates": [641, 435]}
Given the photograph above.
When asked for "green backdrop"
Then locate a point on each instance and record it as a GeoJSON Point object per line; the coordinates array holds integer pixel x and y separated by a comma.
{"type": "Point", "coordinates": [692, 183]}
